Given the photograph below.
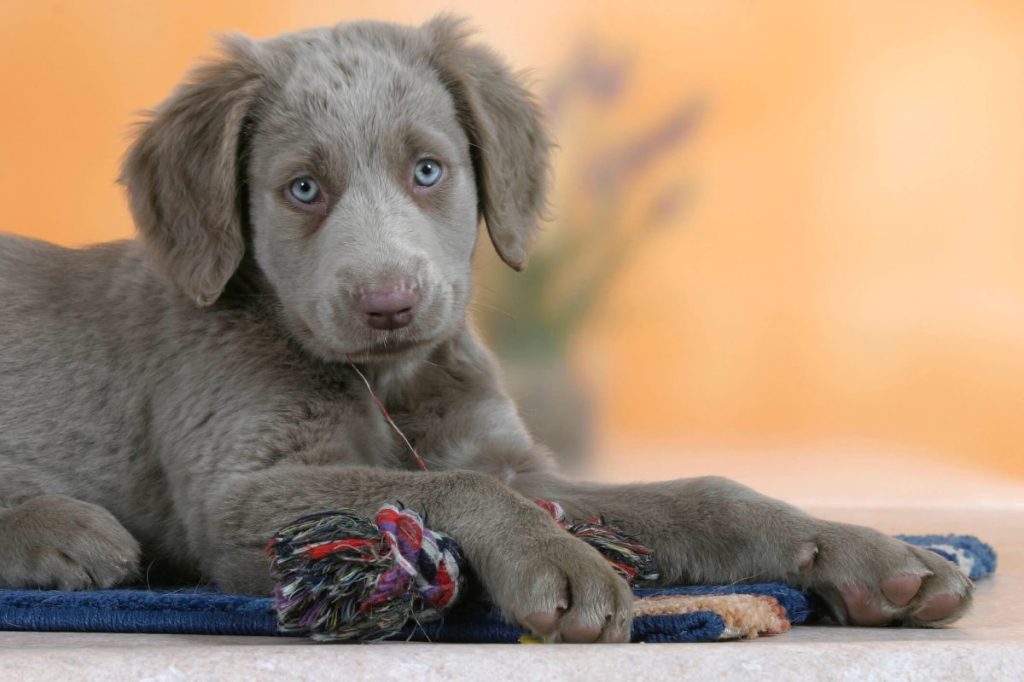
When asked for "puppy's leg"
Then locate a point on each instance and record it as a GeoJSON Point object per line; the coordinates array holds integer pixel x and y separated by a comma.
{"type": "Point", "coordinates": [55, 541]}
{"type": "Point", "coordinates": [713, 531]}
{"type": "Point", "coordinates": [539, 575]}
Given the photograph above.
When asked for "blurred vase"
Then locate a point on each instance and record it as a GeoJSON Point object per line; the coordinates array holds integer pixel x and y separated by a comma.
{"type": "Point", "coordinates": [556, 405]}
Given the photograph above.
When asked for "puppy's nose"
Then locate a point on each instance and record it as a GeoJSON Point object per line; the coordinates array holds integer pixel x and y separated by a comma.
{"type": "Point", "coordinates": [389, 305]}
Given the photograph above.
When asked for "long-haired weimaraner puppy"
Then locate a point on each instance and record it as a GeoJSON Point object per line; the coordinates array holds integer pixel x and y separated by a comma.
{"type": "Point", "coordinates": [307, 201]}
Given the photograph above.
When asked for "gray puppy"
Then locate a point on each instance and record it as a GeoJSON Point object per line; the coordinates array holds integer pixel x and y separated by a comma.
{"type": "Point", "coordinates": [302, 201]}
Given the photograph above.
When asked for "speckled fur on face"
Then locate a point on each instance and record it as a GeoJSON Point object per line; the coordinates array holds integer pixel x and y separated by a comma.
{"type": "Point", "coordinates": [357, 118]}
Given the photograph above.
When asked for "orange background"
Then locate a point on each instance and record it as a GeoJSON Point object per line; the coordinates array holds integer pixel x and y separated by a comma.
{"type": "Point", "coordinates": [849, 279]}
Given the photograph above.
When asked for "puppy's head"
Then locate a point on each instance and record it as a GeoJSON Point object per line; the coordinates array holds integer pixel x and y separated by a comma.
{"type": "Point", "coordinates": [359, 160]}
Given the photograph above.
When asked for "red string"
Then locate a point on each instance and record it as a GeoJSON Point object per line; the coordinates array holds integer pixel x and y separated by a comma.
{"type": "Point", "coordinates": [387, 416]}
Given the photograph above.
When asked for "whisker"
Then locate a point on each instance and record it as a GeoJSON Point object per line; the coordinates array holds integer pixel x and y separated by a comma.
{"type": "Point", "coordinates": [482, 307]}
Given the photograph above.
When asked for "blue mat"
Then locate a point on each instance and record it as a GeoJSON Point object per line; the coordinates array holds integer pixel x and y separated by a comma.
{"type": "Point", "coordinates": [206, 611]}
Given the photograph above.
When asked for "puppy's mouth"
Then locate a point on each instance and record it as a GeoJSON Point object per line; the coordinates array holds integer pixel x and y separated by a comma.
{"type": "Point", "coordinates": [380, 345]}
{"type": "Point", "coordinates": [386, 347]}
{"type": "Point", "coordinates": [335, 337]}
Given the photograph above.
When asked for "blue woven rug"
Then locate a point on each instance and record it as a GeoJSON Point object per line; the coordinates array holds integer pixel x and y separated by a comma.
{"type": "Point", "coordinates": [206, 611]}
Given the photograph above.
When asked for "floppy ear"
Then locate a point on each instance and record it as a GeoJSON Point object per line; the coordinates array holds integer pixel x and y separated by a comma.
{"type": "Point", "coordinates": [182, 173]}
{"type": "Point", "coordinates": [508, 143]}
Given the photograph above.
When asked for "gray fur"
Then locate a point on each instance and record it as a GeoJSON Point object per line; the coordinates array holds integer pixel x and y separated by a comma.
{"type": "Point", "coordinates": [188, 391]}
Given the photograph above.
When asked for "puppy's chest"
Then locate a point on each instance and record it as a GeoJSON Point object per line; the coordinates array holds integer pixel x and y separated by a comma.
{"type": "Point", "coordinates": [343, 429]}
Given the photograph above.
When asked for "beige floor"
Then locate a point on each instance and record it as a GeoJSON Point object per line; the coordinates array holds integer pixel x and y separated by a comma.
{"type": "Point", "coordinates": [988, 644]}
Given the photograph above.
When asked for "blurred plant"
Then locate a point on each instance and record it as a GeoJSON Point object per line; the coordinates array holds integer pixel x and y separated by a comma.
{"type": "Point", "coordinates": [530, 318]}
{"type": "Point", "coordinates": [534, 314]}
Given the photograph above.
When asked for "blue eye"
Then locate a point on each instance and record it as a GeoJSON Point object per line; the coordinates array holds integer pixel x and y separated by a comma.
{"type": "Point", "coordinates": [305, 190]}
{"type": "Point", "coordinates": [427, 173]}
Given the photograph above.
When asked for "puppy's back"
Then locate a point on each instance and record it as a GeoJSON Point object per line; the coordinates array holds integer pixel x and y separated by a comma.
{"type": "Point", "coordinates": [66, 316]}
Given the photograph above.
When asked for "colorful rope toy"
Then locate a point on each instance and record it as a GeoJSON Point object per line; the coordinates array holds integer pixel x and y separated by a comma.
{"type": "Point", "coordinates": [341, 577]}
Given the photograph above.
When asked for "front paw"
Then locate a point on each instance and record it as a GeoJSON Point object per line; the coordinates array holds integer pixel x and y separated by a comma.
{"type": "Point", "coordinates": [559, 587]}
{"type": "Point", "coordinates": [868, 578]}
{"type": "Point", "coordinates": [58, 542]}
